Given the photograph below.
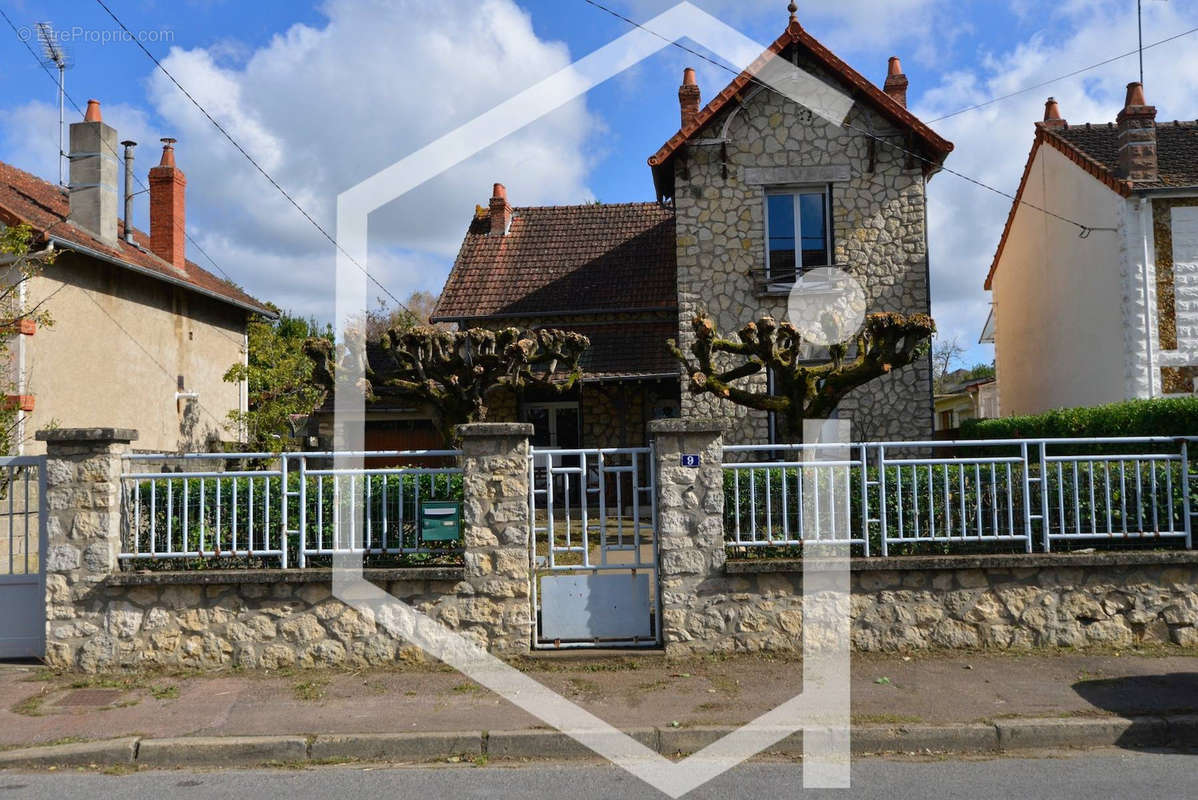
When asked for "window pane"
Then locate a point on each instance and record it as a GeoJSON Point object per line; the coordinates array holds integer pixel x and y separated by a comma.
{"type": "Point", "coordinates": [781, 210]}
{"type": "Point", "coordinates": [814, 228]}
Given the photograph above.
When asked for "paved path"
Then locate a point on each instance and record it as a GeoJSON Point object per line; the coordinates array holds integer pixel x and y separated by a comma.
{"type": "Point", "coordinates": [1104, 775]}
{"type": "Point", "coordinates": [646, 691]}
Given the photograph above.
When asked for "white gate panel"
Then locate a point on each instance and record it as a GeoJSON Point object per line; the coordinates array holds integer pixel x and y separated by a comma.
{"type": "Point", "coordinates": [603, 606]}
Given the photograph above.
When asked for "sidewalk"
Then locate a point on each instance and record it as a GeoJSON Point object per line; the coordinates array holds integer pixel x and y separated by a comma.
{"type": "Point", "coordinates": [644, 691]}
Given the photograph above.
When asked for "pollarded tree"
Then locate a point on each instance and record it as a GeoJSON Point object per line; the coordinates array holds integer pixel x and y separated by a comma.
{"type": "Point", "coordinates": [455, 371]}
{"type": "Point", "coordinates": [802, 389]}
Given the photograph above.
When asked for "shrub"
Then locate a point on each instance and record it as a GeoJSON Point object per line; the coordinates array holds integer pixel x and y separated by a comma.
{"type": "Point", "coordinates": [1165, 416]}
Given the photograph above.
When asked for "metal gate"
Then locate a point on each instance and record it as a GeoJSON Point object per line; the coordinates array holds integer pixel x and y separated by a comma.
{"type": "Point", "coordinates": [594, 548]}
{"type": "Point", "coordinates": [22, 557]}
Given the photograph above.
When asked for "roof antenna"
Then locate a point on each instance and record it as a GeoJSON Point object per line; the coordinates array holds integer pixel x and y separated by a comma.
{"type": "Point", "coordinates": [1140, 29]}
{"type": "Point", "coordinates": [53, 53]}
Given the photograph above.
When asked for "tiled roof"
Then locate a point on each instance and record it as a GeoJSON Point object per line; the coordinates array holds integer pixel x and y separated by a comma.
{"type": "Point", "coordinates": [1176, 150]}
{"type": "Point", "coordinates": [625, 349]}
{"type": "Point", "coordinates": [863, 89]}
{"type": "Point", "coordinates": [565, 260]}
{"type": "Point", "coordinates": [1095, 148]}
{"type": "Point", "coordinates": [26, 198]}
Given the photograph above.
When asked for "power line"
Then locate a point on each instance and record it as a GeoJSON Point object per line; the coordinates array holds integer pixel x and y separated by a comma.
{"type": "Point", "coordinates": [248, 157]}
{"type": "Point", "coordinates": [79, 109]}
{"type": "Point", "coordinates": [1067, 75]}
{"type": "Point", "coordinates": [1084, 230]}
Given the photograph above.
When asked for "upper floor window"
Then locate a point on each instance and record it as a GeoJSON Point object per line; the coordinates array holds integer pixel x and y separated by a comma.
{"type": "Point", "coordinates": [796, 229]}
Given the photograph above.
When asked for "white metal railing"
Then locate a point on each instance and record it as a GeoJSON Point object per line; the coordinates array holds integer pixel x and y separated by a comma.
{"type": "Point", "coordinates": [291, 509]}
{"type": "Point", "coordinates": [587, 505]}
{"type": "Point", "coordinates": [1025, 493]}
{"type": "Point", "coordinates": [22, 523]}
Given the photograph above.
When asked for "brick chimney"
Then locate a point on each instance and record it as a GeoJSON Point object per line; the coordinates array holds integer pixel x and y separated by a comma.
{"type": "Point", "coordinates": [501, 212]}
{"type": "Point", "coordinates": [168, 209]}
{"type": "Point", "coordinates": [94, 170]}
{"type": "Point", "coordinates": [1137, 137]}
{"type": "Point", "coordinates": [1052, 115]}
{"type": "Point", "coordinates": [896, 82]}
{"type": "Point", "coordinates": [688, 96]}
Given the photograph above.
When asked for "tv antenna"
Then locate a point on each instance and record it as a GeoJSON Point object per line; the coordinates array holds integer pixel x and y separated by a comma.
{"type": "Point", "coordinates": [1140, 29]}
{"type": "Point", "coordinates": [53, 53]}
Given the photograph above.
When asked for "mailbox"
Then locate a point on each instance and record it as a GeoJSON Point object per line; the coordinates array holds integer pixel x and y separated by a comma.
{"type": "Point", "coordinates": [440, 521]}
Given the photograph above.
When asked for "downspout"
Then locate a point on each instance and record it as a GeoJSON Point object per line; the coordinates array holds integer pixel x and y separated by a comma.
{"type": "Point", "coordinates": [21, 383]}
{"type": "Point", "coordinates": [1151, 360]}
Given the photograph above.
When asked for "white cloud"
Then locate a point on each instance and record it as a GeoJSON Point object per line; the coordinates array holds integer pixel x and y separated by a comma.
{"type": "Point", "coordinates": [992, 143]}
{"type": "Point", "coordinates": [321, 108]}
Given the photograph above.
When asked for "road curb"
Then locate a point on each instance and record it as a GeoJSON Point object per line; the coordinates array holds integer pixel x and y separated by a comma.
{"type": "Point", "coordinates": [224, 751]}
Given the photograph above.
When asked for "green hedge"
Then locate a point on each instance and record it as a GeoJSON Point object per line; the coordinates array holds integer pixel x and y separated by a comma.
{"type": "Point", "coordinates": [1166, 416]}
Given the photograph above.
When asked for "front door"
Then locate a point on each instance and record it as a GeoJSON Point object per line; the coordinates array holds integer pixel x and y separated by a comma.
{"type": "Point", "coordinates": [555, 425]}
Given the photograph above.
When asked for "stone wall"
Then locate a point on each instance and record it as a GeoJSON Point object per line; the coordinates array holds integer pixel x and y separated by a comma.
{"type": "Point", "coordinates": [878, 221]}
{"type": "Point", "coordinates": [919, 603]}
{"type": "Point", "coordinates": [99, 617]}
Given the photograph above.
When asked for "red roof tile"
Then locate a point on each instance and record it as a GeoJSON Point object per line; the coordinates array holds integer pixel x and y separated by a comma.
{"type": "Point", "coordinates": [863, 88]}
{"type": "Point", "coordinates": [559, 260]}
{"type": "Point", "coordinates": [26, 198]}
{"type": "Point", "coordinates": [627, 348]}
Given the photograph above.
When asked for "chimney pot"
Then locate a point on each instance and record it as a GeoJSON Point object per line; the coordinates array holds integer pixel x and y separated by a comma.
{"type": "Point", "coordinates": [501, 212]}
{"type": "Point", "coordinates": [689, 97]}
{"type": "Point", "coordinates": [1052, 115]}
{"type": "Point", "coordinates": [1137, 137]}
{"type": "Point", "coordinates": [896, 82]}
{"type": "Point", "coordinates": [168, 208]}
{"type": "Point", "coordinates": [93, 175]}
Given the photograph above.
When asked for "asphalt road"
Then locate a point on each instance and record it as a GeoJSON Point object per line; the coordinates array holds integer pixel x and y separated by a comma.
{"type": "Point", "coordinates": [1095, 775]}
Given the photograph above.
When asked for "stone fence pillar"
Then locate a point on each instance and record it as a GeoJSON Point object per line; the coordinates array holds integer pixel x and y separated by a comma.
{"type": "Point", "coordinates": [496, 530]}
{"type": "Point", "coordinates": [690, 524]}
{"type": "Point", "coordinates": [83, 527]}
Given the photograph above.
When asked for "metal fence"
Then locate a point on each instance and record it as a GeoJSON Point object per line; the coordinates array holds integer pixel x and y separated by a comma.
{"type": "Point", "coordinates": [22, 491]}
{"type": "Point", "coordinates": [286, 509]}
{"type": "Point", "coordinates": [903, 497]}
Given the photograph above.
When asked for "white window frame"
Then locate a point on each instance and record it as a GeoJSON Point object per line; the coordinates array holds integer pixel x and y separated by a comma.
{"type": "Point", "coordinates": [795, 191]}
{"type": "Point", "coordinates": [553, 408]}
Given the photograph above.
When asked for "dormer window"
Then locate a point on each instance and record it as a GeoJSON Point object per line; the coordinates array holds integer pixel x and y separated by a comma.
{"type": "Point", "coordinates": [797, 232]}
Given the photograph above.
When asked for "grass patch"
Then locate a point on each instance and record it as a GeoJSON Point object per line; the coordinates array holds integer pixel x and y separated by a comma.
{"type": "Point", "coordinates": [466, 688]}
{"type": "Point", "coordinates": [169, 692]}
{"type": "Point", "coordinates": [883, 719]}
{"type": "Point", "coordinates": [310, 690]}
{"type": "Point", "coordinates": [30, 706]}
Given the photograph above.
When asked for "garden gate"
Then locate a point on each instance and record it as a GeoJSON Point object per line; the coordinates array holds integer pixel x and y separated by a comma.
{"type": "Point", "coordinates": [594, 548]}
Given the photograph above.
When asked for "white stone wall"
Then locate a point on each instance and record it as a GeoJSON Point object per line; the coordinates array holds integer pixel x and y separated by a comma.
{"type": "Point", "coordinates": [1185, 276]}
{"type": "Point", "coordinates": [879, 238]}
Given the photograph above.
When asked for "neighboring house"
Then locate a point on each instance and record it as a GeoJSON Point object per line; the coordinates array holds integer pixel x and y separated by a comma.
{"type": "Point", "coordinates": [752, 190]}
{"type": "Point", "coordinates": [141, 337]}
{"type": "Point", "coordinates": [1110, 314]}
{"type": "Point", "coordinates": [970, 399]}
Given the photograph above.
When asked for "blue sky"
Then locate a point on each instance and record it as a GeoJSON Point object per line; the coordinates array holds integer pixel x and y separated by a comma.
{"type": "Point", "coordinates": [324, 94]}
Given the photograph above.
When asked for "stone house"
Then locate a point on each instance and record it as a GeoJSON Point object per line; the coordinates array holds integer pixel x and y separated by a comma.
{"type": "Point", "coordinates": [752, 190]}
{"type": "Point", "coordinates": [141, 336]}
{"type": "Point", "coordinates": [1125, 290]}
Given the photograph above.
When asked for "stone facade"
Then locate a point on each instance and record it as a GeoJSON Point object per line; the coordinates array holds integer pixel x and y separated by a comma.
{"type": "Point", "coordinates": [878, 236]}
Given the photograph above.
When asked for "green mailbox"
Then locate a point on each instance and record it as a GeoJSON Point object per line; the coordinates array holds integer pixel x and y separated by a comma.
{"type": "Point", "coordinates": [440, 521]}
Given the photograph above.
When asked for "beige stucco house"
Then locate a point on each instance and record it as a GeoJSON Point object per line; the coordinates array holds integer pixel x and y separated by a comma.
{"type": "Point", "coordinates": [751, 191]}
{"type": "Point", "coordinates": [141, 337]}
{"type": "Point", "coordinates": [1109, 312]}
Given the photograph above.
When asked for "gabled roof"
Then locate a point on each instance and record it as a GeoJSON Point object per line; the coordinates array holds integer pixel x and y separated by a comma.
{"type": "Point", "coordinates": [561, 260]}
{"type": "Point", "coordinates": [1095, 148]}
{"type": "Point", "coordinates": [26, 198]}
{"type": "Point", "coordinates": [862, 89]}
